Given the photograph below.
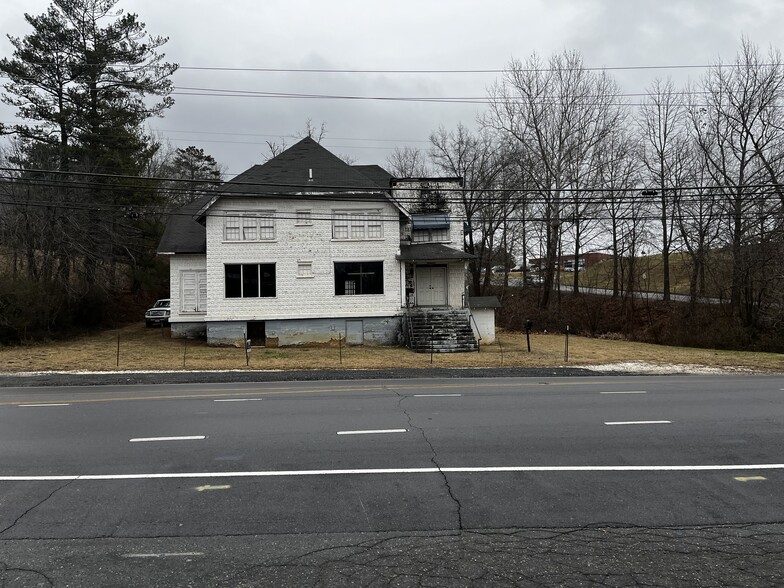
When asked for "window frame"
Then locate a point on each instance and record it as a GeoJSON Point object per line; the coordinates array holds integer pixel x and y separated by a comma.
{"type": "Point", "coordinates": [433, 235]}
{"type": "Point", "coordinates": [304, 264]}
{"type": "Point", "coordinates": [360, 286]}
{"type": "Point", "coordinates": [357, 225]}
{"type": "Point", "coordinates": [242, 281]}
{"type": "Point", "coordinates": [258, 223]}
{"type": "Point", "coordinates": [303, 217]}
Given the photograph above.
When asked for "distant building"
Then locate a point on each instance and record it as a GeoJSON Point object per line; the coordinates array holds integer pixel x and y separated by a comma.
{"type": "Point", "coordinates": [566, 262]}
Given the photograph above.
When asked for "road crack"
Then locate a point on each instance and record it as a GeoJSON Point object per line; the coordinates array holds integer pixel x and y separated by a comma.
{"type": "Point", "coordinates": [6, 571]}
{"type": "Point", "coordinates": [433, 458]}
{"type": "Point", "coordinates": [35, 506]}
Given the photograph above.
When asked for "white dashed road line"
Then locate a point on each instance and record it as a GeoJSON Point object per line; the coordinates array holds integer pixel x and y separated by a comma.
{"type": "Point", "coordinates": [626, 392]}
{"type": "Point", "coordinates": [236, 399]}
{"type": "Point", "coordinates": [37, 405]}
{"type": "Point", "coordinates": [186, 438]}
{"type": "Point", "coordinates": [372, 432]}
{"type": "Point", "coordinates": [638, 422]}
{"type": "Point", "coordinates": [435, 395]}
{"type": "Point", "coordinates": [159, 555]}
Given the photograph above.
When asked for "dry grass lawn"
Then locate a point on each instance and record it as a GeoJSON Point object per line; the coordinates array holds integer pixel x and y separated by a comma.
{"type": "Point", "coordinates": [153, 349]}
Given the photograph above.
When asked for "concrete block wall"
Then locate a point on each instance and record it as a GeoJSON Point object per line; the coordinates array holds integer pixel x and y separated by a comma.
{"type": "Point", "coordinates": [375, 331]}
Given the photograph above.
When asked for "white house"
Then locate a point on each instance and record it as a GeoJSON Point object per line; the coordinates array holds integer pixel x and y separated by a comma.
{"type": "Point", "coordinates": [307, 248]}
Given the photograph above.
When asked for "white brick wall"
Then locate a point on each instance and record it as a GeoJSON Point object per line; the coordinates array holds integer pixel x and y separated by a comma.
{"type": "Point", "coordinates": [312, 297]}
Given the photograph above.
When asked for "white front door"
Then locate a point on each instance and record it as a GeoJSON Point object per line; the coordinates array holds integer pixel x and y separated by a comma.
{"type": "Point", "coordinates": [431, 286]}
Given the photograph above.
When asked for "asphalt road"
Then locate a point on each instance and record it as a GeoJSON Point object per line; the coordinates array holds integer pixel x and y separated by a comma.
{"type": "Point", "coordinates": [496, 481]}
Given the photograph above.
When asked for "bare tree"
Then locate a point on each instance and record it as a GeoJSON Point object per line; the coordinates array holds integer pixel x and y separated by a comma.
{"type": "Point", "coordinates": [697, 214]}
{"type": "Point", "coordinates": [475, 158]}
{"type": "Point", "coordinates": [408, 162]}
{"type": "Point", "coordinates": [618, 173]}
{"type": "Point", "coordinates": [663, 127]}
{"type": "Point", "coordinates": [739, 133]}
{"type": "Point", "coordinates": [554, 112]}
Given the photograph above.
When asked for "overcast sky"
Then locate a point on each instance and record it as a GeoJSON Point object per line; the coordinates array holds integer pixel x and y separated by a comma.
{"type": "Point", "coordinates": [400, 35]}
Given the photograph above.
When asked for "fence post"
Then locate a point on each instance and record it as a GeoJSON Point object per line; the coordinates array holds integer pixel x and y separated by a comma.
{"type": "Point", "coordinates": [432, 337]}
{"type": "Point", "coordinates": [118, 350]}
{"type": "Point", "coordinates": [184, 350]}
{"type": "Point", "coordinates": [340, 347]}
{"type": "Point", "coordinates": [566, 345]}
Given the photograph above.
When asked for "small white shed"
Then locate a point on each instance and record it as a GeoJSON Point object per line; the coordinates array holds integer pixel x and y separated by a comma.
{"type": "Point", "coordinates": [483, 310]}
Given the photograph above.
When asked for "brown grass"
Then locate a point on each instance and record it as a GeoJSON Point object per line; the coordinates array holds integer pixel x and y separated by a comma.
{"type": "Point", "coordinates": [153, 349]}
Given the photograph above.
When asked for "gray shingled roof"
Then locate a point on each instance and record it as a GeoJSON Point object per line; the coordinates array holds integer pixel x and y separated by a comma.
{"type": "Point", "coordinates": [378, 174]}
{"type": "Point", "coordinates": [183, 234]}
{"type": "Point", "coordinates": [484, 302]}
{"type": "Point", "coordinates": [290, 173]}
{"type": "Point", "coordinates": [431, 252]}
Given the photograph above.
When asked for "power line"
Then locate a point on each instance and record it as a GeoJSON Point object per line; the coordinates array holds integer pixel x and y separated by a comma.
{"type": "Point", "coordinates": [462, 71]}
{"type": "Point", "coordinates": [136, 212]}
{"type": "Point", "coordinates": [372, 188]}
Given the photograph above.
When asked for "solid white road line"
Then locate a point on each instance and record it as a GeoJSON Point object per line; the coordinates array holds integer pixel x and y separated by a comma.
{"type": "Point", "coordinates": [36, 405]}
{"type": "Point", "coordinates": [382, 471]}
{"type": "Point", "coordinates": [434, 395]}
{"type": "Point", "coordinates": [236, 399]}
{"type": "Point", "coordinates": [186, 438]}
{"type": "Point", "coordinates": [185, 554]}
{"type": "Point", "coordinates": [372, 432]}
{"type": "Point", "coordinates": [626, 392]}
{"type": "Point", "coordinates": [638, 422]}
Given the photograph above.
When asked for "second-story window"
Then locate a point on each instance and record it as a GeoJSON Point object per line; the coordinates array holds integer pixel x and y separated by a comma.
{"type": "Point", "coordinates": [357, 225]}
{"type": "Point", "coordinates": [256, 226]}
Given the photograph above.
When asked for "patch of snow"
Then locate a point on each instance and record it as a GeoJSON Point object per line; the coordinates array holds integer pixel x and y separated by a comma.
{"type": "Point", "coordinates": [670, 368]}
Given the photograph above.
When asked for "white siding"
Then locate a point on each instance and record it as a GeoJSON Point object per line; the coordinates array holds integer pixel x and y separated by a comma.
{"type": "Point", "coordinates": [312, 297]}
{"type": "Point", "coordinates": [177, 265]}
{"type": "Point", "coordinates": [484, 321]}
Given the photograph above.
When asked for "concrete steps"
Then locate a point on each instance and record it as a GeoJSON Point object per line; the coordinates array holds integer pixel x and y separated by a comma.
{"type": "Point", "coordinates": [440, 331]}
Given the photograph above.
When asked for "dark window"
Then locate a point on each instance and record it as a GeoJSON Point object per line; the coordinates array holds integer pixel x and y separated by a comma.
{"type": "Point", "coordinates": [267, 280]}
{"type": "Point", "coordinates": [233, 281]}
{"type": "Point", "coordinates": [250, 280]}
{"type": "Point", "coordinates": [366, 277]}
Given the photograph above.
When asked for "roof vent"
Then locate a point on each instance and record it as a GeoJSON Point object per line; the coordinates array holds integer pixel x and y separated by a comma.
{"type": "Point", "coordinates": [310, 174]}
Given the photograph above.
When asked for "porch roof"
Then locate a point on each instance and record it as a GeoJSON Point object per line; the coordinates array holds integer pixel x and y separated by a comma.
{"type": "Point", "coordinates": [432, 252]}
